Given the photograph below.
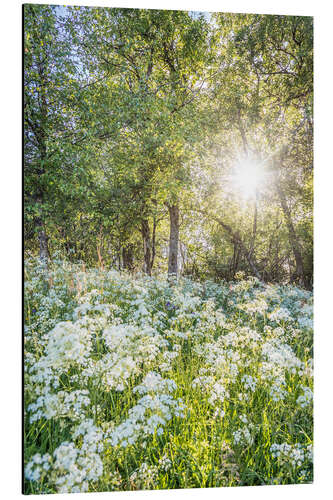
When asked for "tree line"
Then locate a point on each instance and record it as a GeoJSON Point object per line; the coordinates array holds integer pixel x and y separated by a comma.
{"type": "Point", "coordinates": [133, 122]}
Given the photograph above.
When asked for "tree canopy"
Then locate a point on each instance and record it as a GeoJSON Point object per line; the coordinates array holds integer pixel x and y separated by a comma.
{"type": "Point", "coordinates": [170, 141]}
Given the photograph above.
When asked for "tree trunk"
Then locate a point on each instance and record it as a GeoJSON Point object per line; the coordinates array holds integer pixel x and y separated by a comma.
{"type": "Point", "coordinates": [42, 239]}
{"type": "Point", "coordinates": [173, 241]}
{"type": "Point", "coordinates": [128, 259]}
{"type": "Point", "coordinates": [145, 231]}
{"type": "Point", "coordinates": [294, 243]}
{"type": "Point", "coordinates": [235, 239]}
{"type": "Point", "coordinates": [235, 260]}
{"type": "Point", "coordinates": [153, 244]}
{"type": "Point", "coordinates": [255, 218]}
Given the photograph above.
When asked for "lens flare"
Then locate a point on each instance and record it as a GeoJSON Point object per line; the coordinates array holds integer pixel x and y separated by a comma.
{"type": "Point", "coordinates": [248, 177]}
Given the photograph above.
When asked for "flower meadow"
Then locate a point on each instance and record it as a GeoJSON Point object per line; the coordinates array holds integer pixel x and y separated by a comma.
{"type": "Point", "coordinates": [137, 382]}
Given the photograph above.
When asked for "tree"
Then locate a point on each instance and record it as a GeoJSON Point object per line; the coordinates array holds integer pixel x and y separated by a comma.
{"type": "Point", "coordinates": [152, 62]}
{"type": "Point", "coordinates": [135, 122]}
{"type": "Point", "coordinates": [49, 120]}
{"type": "Point", "coordinates": [275, 99]}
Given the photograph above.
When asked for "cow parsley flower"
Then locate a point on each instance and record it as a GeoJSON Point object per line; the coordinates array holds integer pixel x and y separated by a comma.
{"type": "Point", "coordinates": [305, 399]}
{"type": "Point", "coordinates": [294, 455]}
{"type": "Point", "coordinates": [243, 437]}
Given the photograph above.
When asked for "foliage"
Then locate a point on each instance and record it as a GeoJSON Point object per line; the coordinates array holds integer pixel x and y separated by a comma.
{"type": "Point", "coordinates": [130, 111]}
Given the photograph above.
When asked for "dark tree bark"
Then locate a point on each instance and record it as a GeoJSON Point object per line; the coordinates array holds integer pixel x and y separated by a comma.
{"type": "Point", "coordinates": [173, 240]}
{"type": "Point", "coordinates": [128, 257]}
{"type": "Point", "coordinates": [293, 239]}
{"type": "Point", "coordinates": [153, 244]}
{"type": "Point", "coordinates": [145, 231]}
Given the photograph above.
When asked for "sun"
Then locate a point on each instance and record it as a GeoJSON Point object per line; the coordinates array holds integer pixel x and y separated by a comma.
{"type": "Point", "coordinates": [248, 177]}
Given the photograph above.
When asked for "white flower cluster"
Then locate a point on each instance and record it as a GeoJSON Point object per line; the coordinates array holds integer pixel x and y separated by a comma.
{"type": "Point", "coordinates": [221, 361]}
{"type": "Point", "coordinates": [215, 389]}
{"type": "Point", "coordinates": [151, 413]}
{"type": "Point", "coordinates": [127, 347]}
{"type": "Point", "coordinates": [244, 419]}
{"type": "Point", "coordinates": [203, 382]}
{"type": "Point", "coordinates": [306, 398]}
{"type": "Point", "coordinates": [280, 314]}
{"type": "Point", "coordinates": [92, 436]}
{"type": "Point", "coordinates": [71, 468]}
{"type": "Point", "coordinates": [218, 393]}
{"type": "Point", "coordinates": [186, 302]}
{"type": "Point", "coordinates": [61, 404]}
{"type": "Point", "coordinates": [281, 356]}
{"type": "Point", "coordinates": [153, 382]}
{"type": "Point", "coordinates": [168, 357]}
{"type": "Point", "coordinates": [294, 455]}
{"type": "Point", "coordinates": [277, 392]}
{"type": "Point", "coordinates": [257, 306]}
{"type": "Point", "coordinates": [269, 293]}
{"type": "Point", "coordinates": [305, 322]}
{"type": "Point", "coordinates": [68, 343]}
{"type": "Point", "coordinates": [243, 437]}
{"type": "Point", "coordinates": [111, 370]}
{"type": "Point", "coordinates": [37, 465]}
{"type": "Point", "coordinates": [145, 476]}
{"type": "Point", "coordinates": [219, 413]}
{"type": "Point", "coordinates": [165, 463]}
{"type": "Point", "coordinates": [86, 308]}
{"type": "Point", "coordinates": [249, 382]}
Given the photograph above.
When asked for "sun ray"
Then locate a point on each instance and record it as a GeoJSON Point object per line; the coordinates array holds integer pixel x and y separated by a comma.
{"type": "Point", "coordinates": [248, 177]}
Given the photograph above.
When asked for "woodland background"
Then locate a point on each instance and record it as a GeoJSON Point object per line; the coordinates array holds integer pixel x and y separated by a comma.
{"type": "Point", "coordinates": [134, 121]}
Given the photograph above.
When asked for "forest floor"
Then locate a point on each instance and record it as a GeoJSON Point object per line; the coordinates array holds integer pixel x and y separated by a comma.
{"type": "Point", "coordinates": [137, 383]}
